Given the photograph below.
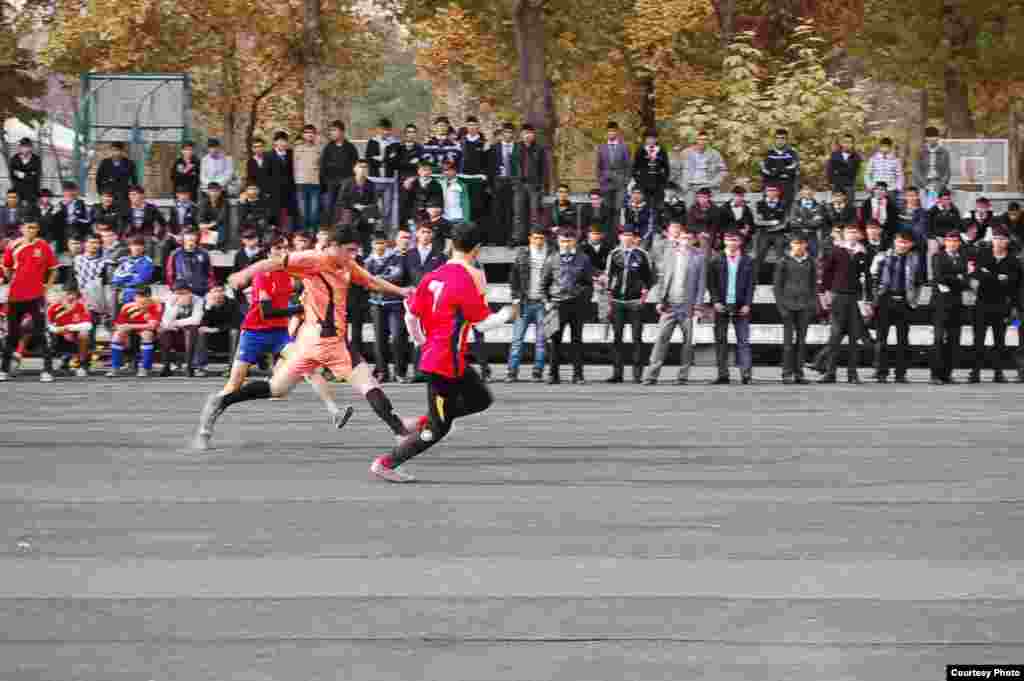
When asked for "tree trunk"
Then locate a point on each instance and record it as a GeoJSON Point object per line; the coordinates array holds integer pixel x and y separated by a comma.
{"type": "Point", "coordinates": [956, 35]}
{"type": "Point", "coordinates": [1013, 161]}
{"type": "Point", "coordinates": [531, 88]}
{"type": "Point", "coordinates": [312, 100]}
{"type": "Point", "coordinates": [725, 10]}
{"type": "Point", "coordinates": [648, 118]}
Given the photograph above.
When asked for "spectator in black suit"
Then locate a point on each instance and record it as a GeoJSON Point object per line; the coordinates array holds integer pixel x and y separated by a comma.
{"type": "Point", "coordinates": [843, 272]}
{"type": "Point", "coordinates": [337, 165]}
{"type": "Point", "coordinates": [185, 171]}
{"type": "Point", "coordinates": [951, 275]}
{"type": "Point", "coordinates": [597, 248]}
{"type": "Point", "coordinates": [651, 169]}
{"type": "Point", "coordinates": [795, 277]}
{"type": "Point", "coordinates": [426, 256]}
{"type": "Point", "coordinates": [597, 212]}
{"type": "Point", "coordinates": [108, 212]}
{"type": "Point", "coordinates": [117, 174]}
{"type": "Point", "coordinates": [418, 191]}
{"type": "Point", "coordinates": [737, 216]}
{"type": "Point", "coordinates": [184, 215]}
{"type": "Point", "coordinates": [257, 168]}
{"type": "Point", "coordinates": [75, 215]}
{"type": "Point", "coordinates": [26, 172]}
{"type": "Point", "coordinates": [252, 211]}
{"type": "Point", "coordinates": [282, 199]}
{"type": "Point", "coordinates": [731, 280]}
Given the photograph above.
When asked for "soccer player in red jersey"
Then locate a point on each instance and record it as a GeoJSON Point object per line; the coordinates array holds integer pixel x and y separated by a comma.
{"type": "Point", "coordinates": [142, 316]}
{"type": "Point", "coordinates": [29, 264]}
{"type": "Point", "coordinates": [448, 303]}
{"type": "Point", "coordinates": [69, 324]}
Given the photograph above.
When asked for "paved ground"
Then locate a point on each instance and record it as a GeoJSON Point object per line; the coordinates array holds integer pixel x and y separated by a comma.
{"type": "Point", "coordinates": [571, 533]}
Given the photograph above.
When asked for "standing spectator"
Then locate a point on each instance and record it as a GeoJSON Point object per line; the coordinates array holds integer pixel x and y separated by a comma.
{"type": "Point", "coordinates": [191, 265]}
{"type": "Point", "coordinates": [984, 218]}
{"type": "Point", "coordinates": [844, 168]}
{"type": "Point", "coordinates": [134, 270]}
{"type": "Point", "coordinates": [377, 147]}
{"type": "Point", "coordinates": [601, 213]}
{"type": "Point", "coordinates": [568, 285]}
{"type": "Point", "coordinates": [840, 212]}
{"type": "Point", "coordinates": [30, 265]}
{"type": "Point", "coordinates": [74, 212]}
{"type": "Point", "coordinates": [257, 168]}
{"type": "Point", "coordinates": [117, 174]}
{"type": "Point", "coordinates": [474, 169]}
{"type": "Point", "coordinates": [771, 217]}
{"type": "Point", "coordinates": [898, 273]}
{"type": "Point", "coordinates": [107, 212]}
{"type": "Point", "coordinates": [426, 257]}
{"type": "Point", "coordinates": [943, 217]}
{"type": "Point", "coordinates": [50, 220]}
{"type": "Point", "coordinates": [386, 310]}
{"type": "Point", "coordinates": [808, 216]}
{"type": "Point", "coordinates": [885, 166]}
{"type": "Point", "coordinates": [794, 285]}
{"type": "Point", "coordinates": [441, 147]}
{"type": "Point", "coordinates": [308, 177]}
{"type": "Point", "coordinates": [179, 328]}
{"type": "Point", "coordinates": [526, 287]}
{"type": "Point", "coordinates": [536, 180]}
{"type": "Point", "coordinates": [614, 169]}
{"type": "Point", "coordinates": [641, 216]}
{"type": "Point", "coordinates": [932, 167]}
{"type": "Point", "coordinates": [69, 328]}
{"type": "Point", "coordinates": [214, 218]}
{"type": "Point", "coordinates": [281, 185]}
{"type": "Point", "coordinates": [1013, 220]}
{"type": "Point", "coordinates": [703, 216]}
{"type": "Point", "coordinates": [651, 169]}
{"type": "Point", "coordinates": [630, 275]}
{"type": "Point", "coordinates": [221, 319]}
{"type": "Point", "coordinates": [912, 217]}
{"type": "Point", "coordinates": [66, 271]}
{"type": "Point", "coordinates": [781, 168]}
{"type": "Point", "coordinates": [217, 167]}
{"type": "Point", "coordinates": [26, 172]}
{"type": "Point", "coordinates": [703, 168]}
{"type": "Point", "coordinates": [563, 212]}
{"type": "Point", "coordinates": [457, 205]}
{"type": "Point", "coordinates": [505, 175]}
{"type": "Point", "coordinates": [11, 217]}
{"type": "Point", "coordinates": [880, 209]}
{"type": "Point", "coordinates": [844, 272]}
{"type": "Point", "coordinates": [142, 316]}
{"type": "Point", "coordinates": [736, 216]}
{"type": "Point", "coordinates": [950, 271]}
{"type": "Point", "coordinates": [597, 249]}
{"type": "Point", "coordinates": [731, 280]}
{"type": "Point", "coordinates": [402, 160]}
{"type": "Point", "coordinates": [998, 277]}
{"type": "Point", "coordinates": [682, 279]}
{"type": "Point", "coordinates": [185, 172]}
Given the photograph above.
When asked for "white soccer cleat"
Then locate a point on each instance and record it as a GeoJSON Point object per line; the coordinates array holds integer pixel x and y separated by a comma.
{"type": "Point", "coordinates": [390, 474]}
{"type": "Point", "coordinates": [213, 408]}
{"type": "Point", "coordinates": [46, 377]}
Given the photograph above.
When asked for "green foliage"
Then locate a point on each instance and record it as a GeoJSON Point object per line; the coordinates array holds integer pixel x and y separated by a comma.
{"type": "Point", "coordinates": [799, 95]}
{"type": "Point", "coordinates": [21, 79]}
{"type": "Point", "coordinates": [396, 94]}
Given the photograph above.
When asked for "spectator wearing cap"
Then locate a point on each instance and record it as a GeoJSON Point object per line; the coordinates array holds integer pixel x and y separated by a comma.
{"type": "Point", "coordinates": [682, 279]}
{"type": "Point", "coordinates": [702, 168]}
{"type": "Point", "coordinates": [737, 216]}
{"type": "Point", "coordinates": [898, 274]}
{"type": "Point", "coordinates": [996, 278]}
{"type": "Point", "coordinates": [385, 310]}
{"type": "Point", "coordinates": [117, 174]}
{"type": "Point", "coordinates": [781, 167]}
{"type": "Point", "coordinates": [600, 212]}
{"type": "Point", "coordinates": [528, 292]}
{"type": "Point", "coordinates": [69, 328]}
{"type": "Point", "coordinates": [75, 216]}
{"type": "Point", "coordinates": [949, 270]}
{"type": "Point", "coordinates": [214, 218]}
{"type": "Point", "coordinates": [794, 285]}
{"type": "Point", "coordinates": [133, 270]}
{"type": "Point", "coordinates": [219, 328]}
{"type": "Point", "coordinates": [771, 216]}
{"type": "Point", "coordinates": [306, 158]}
{"type": "Point", "coordinates": [217, 167]}
{"type": "Point", "coordinates": [108, 212]}
{"type": "Point", "coordinates": [844, 273]}
{"type": "Point", "coordinates": [880, 208]}
{"type": "Point", "coordinates": [179, 328]}
{"type": "Point", "coordinates": [191, 265]}
{"type": "Point", "coordinates": [731, 281]}
{"type": "Point", "coordinates": [651, 169]}
{"type": "Point", "coordinates": [281, 197]}
{"type": "Point", "coordinates": [377, 147]}
{"type": "Point", "coordinates": [26, 170]}
{"type": "Point", "coordinates": [418, 191]}
{"type": "Point", "coordinates": [567, 282]}
{"type": "Point", "coordinates": [885, 166]}
{"type": "Point", "coordinates": [614, 168]}
{"type": "Point", "coordinates": [457, 205]}
{"type": "Point", "coordinates": [535, 167]}
{"type": "Point", "coordinates": [641, 217]}
{"type": "Point", "coordinates": [630, 275]}
{"type": "Point", "coordinates": [185, 171]}
{"type": "Point", "coordinates": [844, 167]}
{"type": "Point", "coordinates": [932, 169]}
{"type": "Point", "coordinates": [505, 173]}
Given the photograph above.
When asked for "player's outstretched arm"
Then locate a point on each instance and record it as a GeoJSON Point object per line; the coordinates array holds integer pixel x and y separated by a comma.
{"type": "Point", "coordinates": [239, 280]}
{"type": "Point", "coordinates": [378, 284]}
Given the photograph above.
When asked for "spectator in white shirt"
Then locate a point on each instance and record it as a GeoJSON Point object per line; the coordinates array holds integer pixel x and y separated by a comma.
{"type": "Point", "coordinates": [183, 314]}
{"type": "Point", "coordinates": [217, 167]}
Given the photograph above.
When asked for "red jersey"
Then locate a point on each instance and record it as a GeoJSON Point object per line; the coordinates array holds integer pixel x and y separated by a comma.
{"type": "Point", "coordinates": [31, 263]}
{"type": "Point", "coordinates": [134, 313]}
{"type": "Point", "coordinates": [61, 314]}
{"type": "Point", "coordinates": [276, 287]}
{"type": "Point", "coordinates": [448, 302]}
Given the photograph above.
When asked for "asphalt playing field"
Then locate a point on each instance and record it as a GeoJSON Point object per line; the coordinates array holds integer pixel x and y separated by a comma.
{"type": "Point", "coordinates": [595, 532]}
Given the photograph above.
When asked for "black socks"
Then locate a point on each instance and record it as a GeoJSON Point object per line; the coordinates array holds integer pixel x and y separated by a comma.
{"type": "Point", "coordinates": [382, 407]}
{"type": "Point", "coordinates": [254, 390]}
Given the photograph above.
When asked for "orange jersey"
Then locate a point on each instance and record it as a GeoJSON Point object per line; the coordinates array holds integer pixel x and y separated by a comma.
{"type": "Point", "coordinates": [134, 313]}
{"type": "Point", "coordinates": [61, 314]}
{"type": "Point", "coordinates": [325, 285]}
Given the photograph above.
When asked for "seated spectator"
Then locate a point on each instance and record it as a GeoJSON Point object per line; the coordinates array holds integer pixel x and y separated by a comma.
{"type": "Point", "coordinates": [435, 218]}
{"type": "Point", "coordinates": [301, 242]}
{"type": "Point", "coordinates": [184, 215]}
{"type": "Point", "coordinates": [880, 208]}
{"type": "Point", "coordinates": [107, 212]}
{"type": "Point", "coordinates": [134, 270]}
{"type": "Point", "coordinates": [641, 217]}
{"type": "Point", "coordinates": [456, 194]}
{"type": "Point", "coordinates": [703, 216]}
{"type": "Point", "coordinates": [219, 328]}
{"type": "Point", "coordinates": [179, 328]}
{"type": "Point", "coordinates": [50, 220]}
{"type": "Point", "coordinates": [191, 264]}
{"type": "Point", "coordinates": [66, 260]}
{"type": "Point", "coordinates": [355, 195]}
{"type": "Point", "coordinates": [88, 268]}
{"type": "Point", "coordinates": [597, 248]}
{"type": "Point", "coordinates": [142, 316]}
{"type": "Point", "coordinates": [840, 212]}
{"type": "Point", "coordinates": [808, 217]}
{"type": "Point", "coordinates": [70, 325]}
{"type": "Point", "coordinates": [418, 191]}
{"type": "Point", "coordinates": [214, 218]}
{"type": "Point", "coordinates": [737, 216]}
{"type": "Point", "coordinates": [253, 211]}
{"type": "Point", "coordinates": [76, 215]}
{"type": "Point", "coordinates": [983, 216]}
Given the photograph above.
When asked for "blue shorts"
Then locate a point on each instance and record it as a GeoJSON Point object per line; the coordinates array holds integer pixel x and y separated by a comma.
{"type": "Point", "coordinates": [254, 344]}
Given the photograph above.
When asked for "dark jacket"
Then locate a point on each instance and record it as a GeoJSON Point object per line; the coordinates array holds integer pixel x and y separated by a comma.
{"type": "Point", "coordinates": [568, 277]}
{"type": "Point", "coordinates": [112, 216]}
{"type": "Point", "coordinates": [644, 220]}
{"type": "Point", "coordinates": [391, 267]}
{"type": "Point", "coordinates": [153, 223]}
{"type": "Point", "coordinates": [807, 218]}
{"type": "Point", "coordinates": [76, 218]}
{"type": "Point", "coordinates": [780, 165]}
{"type": "Point", "coordinates": [10, 222]}
{"type": "Point", "coordinates": [941, 221]}
{"type": "Point", "coordinates": [651, 174]}
{"type": "Point", "coordinates": [884, 273]}
{"type": "Point", "coordinates": [352, 194]}
{"type": "Point", "coordinates": [728, 222]}
{"type": "Point", "coordinates": [495, 159]}
{"type": "Point", "coordinates": [337, 163]}
{"type": "Point", "coordinates": [415, 199]}
{"type": "Point", "coordinates": [519, 277]}
{"type": "Point", "coordinates": [565, 216]}
{"type": "Point", "coordinates": [116, 177]}
{"type": "Point", "coordinates": [180, 178]}
{"type": "Point", "coordinates": [767, 214]}
{"type": "Point", "coordinates": [474, 156]}
{"type": "Point", "coordinates": [846, 216]}
{"type": "Point", "coordinates": [402, 160]}
{"type": "Point", "coordinates": [606, 216]}
{"type": "Point", "coordinates": [843, 173]}
{"type": "Point", "coordinates": [951, 272]}
{"type": "Point", "coordinates": [718, 280]}
{"type": "Point", "coordinates": [702, 219]}
{"type": "Point", "coordinates": [892, 214]}
{"type": "Point", "coordinates": [254, 214]}
{"type": "Point", "coordinates": [242, 260]}
{"type": "Point", "coordinates": [629, 274]}
{"type": "Point", "coordinates": [220, 215]}
{"type": "Point", "coordinates": [536, 166]}
{"type": "Point", "coordinates": [176, 225]}
{"type": "Point", "coordinates": [992, 290]}
{"type": "Point", "coordinates": [280, 180]}
{"type": "Point", "coordinates": [192, 266]}
{"type": "Point", "coordinates": [598, 254]}
{"type": "Point", "coordinates": [794, 284]}
{"type": "Point", "coordinates": [32, 169]}
{"type": "Point", "coordinates": [258, 173]}
{"type": "Point", "coordinates": [416, 267]}
{"type": "Point", "coordinates": [373, 150]}
{"type": "Point", "coordinates": [843, 272]}
{"type": "Point", "coordinates": [915, 220]}
{"type": "Point", "coordinates": [225, 317]}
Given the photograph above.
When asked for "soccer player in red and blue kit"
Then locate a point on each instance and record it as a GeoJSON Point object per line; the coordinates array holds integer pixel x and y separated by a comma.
{"type": "Point", "coordinates": [447, 304]}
